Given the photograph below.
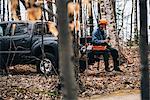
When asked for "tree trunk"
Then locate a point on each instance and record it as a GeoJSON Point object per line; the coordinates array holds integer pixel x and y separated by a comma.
{"type": "Point", "coordinates": [95, 14]}
{"type": "Point", "coordinates": [18, 11]}
{"type": "Point", "coordinates": [91, 20]}
{"type": "Point", "coordinates": [114, 12]}
{"type": "Point", "coordinates": [144, 51]}
{"type": "Point", "coordinates": [8, 10]}
{"type": "Point", "coordinates": [131, 30]}
{"type": "Point", "coordinates": [23, 2]}
{"type": "Point", "coordinates": [120, 30]}
{"type": "Point", "coordinates": [108, 11]}
{"type": "Point", "coordinates": [3, 10]}
{"type": "Point", "coordinates": [74, 19]}
{"type": "Point", "coordinates": [15, 9]}
{"type": "Point", "coordinates": [44, 12]}
{"type": "Point", "coordinates": [50, 17]}
{"type": "Point", "coordinates": [0, 10]}
{"type": "Point", "coordinates": [65, 52]}
{"type": "Point", "coordinates": [99, 11]}
{"type": "Point", "coordinates": [136, 35]}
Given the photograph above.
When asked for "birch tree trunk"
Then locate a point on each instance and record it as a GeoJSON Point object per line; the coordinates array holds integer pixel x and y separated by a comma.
{"type": "Point", "coordinates": [131, 30]}
{"type": "Point", "coordinates": [95, 14]}
{"type": "Point", "coordinates": [15, 9]}
{"type": "Point", "coordinates": [108, 12]}
{"type": "Point", "coordinates": [74, 16]}
{"type": "Point", "coordinates": [144, 51]}
{"type": "Point", "coordinates": [50, 6]}
{"type": "Point", "coordinates": [120, 30]}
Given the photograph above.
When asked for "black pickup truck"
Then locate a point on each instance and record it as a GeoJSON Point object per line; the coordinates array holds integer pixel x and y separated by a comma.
{"type": "Point", "coordinates": [28, 42]}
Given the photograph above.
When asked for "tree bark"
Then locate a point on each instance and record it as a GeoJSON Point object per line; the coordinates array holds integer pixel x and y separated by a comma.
{"type": "Point", "coordinates": [3, 10]}
{"type": "Point", "coordinates": [50, 17]}
{"type": "Point", "coordinates": [131, 31]}
{"type": "Point", "coordinates": [23, 2]}
{"type": "Point", "coordinates": [114, 11]}
{"type": "Point", "coordinates": [91, 19]}
{"type": "Point", "coordinates": [7, 10]}
{"type": "Point", "coordinates": [144, 50]}
{"type": "Point", "coordinates": [74, 19]}
{"type": "Point", "coordinates": [66, 52]}
{"type": "Point", "coordinates": [18, 11]}
{"type": "Point", "coordinates": [0, 10]}
{"type": "Point", "coordinates": [136, 35]}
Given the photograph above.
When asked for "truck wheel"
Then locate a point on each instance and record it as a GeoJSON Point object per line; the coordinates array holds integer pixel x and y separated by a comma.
{"type": "Point", "coordinates": [47, 65]}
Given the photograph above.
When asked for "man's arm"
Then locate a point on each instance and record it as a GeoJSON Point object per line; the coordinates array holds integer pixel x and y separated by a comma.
{"type": "Point", "coordinates": [97, 41]}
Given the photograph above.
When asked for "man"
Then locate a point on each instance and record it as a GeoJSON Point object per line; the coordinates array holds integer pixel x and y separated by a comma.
{"type": "Point", "coordinates": [99, 37]}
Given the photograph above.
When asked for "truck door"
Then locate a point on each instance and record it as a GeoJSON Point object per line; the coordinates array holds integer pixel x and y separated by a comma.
{"type": "Point", "coordinates": [20, 38]}
{"type": "Point", "coordinates": [3, 37]}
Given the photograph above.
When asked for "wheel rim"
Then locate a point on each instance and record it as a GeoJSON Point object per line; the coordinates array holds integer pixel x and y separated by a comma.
{"type": "Point", "coordinates": [47, 64]}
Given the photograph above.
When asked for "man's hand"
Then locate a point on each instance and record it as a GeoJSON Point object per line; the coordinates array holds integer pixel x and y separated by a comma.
{"type": "Point", "coordinates": [108, 38]}
{"type": "Point", "coordinates": [107, 41]}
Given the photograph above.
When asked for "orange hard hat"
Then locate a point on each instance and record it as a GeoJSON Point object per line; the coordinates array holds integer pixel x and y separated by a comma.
{"type": "Point", "coordinates": [103, 21]}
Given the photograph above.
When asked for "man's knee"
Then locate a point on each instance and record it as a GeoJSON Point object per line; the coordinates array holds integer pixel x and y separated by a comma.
{"type": "Point", "coordinates": [113, 51]}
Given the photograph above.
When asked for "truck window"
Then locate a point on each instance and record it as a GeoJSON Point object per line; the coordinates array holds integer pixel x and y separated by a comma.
{"type": "Point", "coordinates": [3, 29]}
{"type": "Point", "coordinates": [40, 29]}
{"type": "Point", "coordinates": [18, 29]}
{"type": "Point", "coordinates": [21, 29]}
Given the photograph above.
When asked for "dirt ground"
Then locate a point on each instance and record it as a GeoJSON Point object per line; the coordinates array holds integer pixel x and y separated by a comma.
{"type": "Point", "coordinates": [25, 84]}
{"type": "Point", "coordinates": [118, 95]}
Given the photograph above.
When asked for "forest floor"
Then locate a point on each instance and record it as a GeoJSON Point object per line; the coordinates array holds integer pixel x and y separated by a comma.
{"type": "Point", "coordinates": [25, 84]}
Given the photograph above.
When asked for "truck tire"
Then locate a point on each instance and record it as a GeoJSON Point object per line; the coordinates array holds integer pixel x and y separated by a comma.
{"type": "Point", "coordinates": [49, 62]}
{"type": "Point", "coordinates": [2, 65]}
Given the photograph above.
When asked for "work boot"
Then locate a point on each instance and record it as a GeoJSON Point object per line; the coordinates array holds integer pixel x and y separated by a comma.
{"type": "Point", "coordinates": [107, 69]}
{"type": "Point", "coordinates": [107, 66]}
{"type": "Point", "coordinates": [118, 69]}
